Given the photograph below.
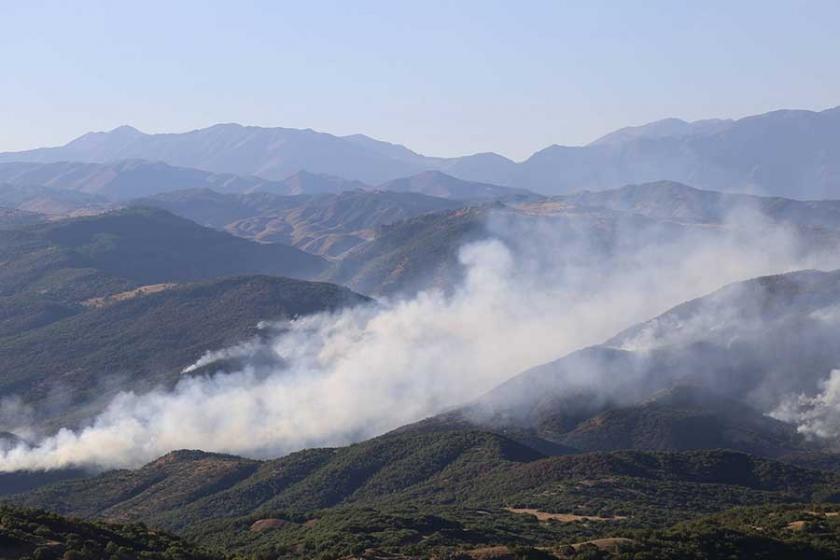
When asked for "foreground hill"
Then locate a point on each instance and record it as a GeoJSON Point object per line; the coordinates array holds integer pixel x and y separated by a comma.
{"type": "Point", "coordinates": [420, 493]}
{"type": "Point", "coordinates": [35, 534]}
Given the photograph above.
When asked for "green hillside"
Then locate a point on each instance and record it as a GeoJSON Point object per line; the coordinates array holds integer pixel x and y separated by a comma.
{"type": "Point", "coordinates": [147, 339]}
{"type": "Point", "coordinates": [433, 493]}
{"type": "Point", "coordinates": [29, 534]}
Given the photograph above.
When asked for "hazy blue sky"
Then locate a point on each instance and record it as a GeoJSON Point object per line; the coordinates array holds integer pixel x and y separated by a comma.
{"type": "Point", "coordinates": [444, 78]}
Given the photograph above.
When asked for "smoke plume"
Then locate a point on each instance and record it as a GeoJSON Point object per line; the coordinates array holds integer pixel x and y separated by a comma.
{"type": "Point", "coordinates": [532, 291]}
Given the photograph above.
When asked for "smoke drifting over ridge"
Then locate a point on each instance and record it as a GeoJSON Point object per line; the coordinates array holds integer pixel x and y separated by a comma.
{"type": "Point", "coordinates": [816, 416]}
{"type": "Point", "coordinates": [536, 289]}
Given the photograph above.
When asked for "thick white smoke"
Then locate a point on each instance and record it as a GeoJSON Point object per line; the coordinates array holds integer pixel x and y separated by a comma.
{"type": "Point", "coordinates": [331, 379]}
{"type": "Point", "coordinates": [816, 416]}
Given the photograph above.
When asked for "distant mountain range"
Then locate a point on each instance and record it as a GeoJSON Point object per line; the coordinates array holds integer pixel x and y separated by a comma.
{"type": "Point", "coordinates": [76, 187]}
{"type": "Point", "coordinates": [795, 154]}
{"type": "Point", "coordinates": [668, 200]}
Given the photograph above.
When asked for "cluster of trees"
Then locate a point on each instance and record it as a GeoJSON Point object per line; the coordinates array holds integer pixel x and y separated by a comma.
{"type": "Point", "coordinates": [36, 535]}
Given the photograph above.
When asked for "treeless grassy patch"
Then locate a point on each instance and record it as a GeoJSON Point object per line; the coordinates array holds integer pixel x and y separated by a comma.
{"type": "Point", "coordinates": [130, 294]}
{"type": "Point", "coordinates": [562, 517]}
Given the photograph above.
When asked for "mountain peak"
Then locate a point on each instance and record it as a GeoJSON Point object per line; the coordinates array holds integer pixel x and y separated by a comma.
{"type": "Point", "coordinates": [125, 130]}
{"type": "Point", "coordinates": [663, 128]}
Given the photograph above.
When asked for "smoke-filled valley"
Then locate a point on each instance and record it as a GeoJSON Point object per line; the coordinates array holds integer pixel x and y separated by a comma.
{"type": "Point", "coordinates": [312, 366]}
{"type": "Point", "coordinates": [540, 280]}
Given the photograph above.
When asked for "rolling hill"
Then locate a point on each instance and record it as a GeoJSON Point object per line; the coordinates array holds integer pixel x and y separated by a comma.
{"type": "Point", "coordinates": [435, 183]}
{"type": "Point", "coordinates": [50, 201]}
{"type": "Point", "coordinates": [417, 494]}
{"type": "Point", "coordinates": [666, 200]}
{"type": "Point", "coordinates": [423, 251]}
{"type": "Point", "coordinates": [326, 224]}
{"type": "Point", "coordinates": [130, 248]}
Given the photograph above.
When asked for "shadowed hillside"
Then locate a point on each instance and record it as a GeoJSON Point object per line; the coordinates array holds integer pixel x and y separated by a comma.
{"type": "Point", "coordinates": [28, 534]}
{"type": "Point", "coordinates": [138, 341]}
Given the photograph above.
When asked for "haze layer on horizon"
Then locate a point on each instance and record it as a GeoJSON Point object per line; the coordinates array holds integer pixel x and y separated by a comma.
{"type": "Point", "coordinates": [443, 78]}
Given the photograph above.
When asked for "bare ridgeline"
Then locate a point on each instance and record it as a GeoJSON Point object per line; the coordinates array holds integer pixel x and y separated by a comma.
{"type": "Point", "coordinates": [341, 348]}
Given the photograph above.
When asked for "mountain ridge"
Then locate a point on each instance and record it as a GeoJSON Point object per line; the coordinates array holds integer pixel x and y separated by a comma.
{"type": "Point", "coordinates": [791, 153]}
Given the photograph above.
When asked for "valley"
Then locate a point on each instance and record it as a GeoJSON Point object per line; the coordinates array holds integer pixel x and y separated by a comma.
{"type": "Point", "coordinates": [212, 348]}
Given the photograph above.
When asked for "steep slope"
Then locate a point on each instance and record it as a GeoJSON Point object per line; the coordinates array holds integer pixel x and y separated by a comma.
{"type": "Point", "coordinates": [411, 255]}
{"type": "Point", "coordinates": [331, 224]}
{"type": "Point", "coordinates": [685, 417]}
{"type": "Point", "coordinates": [760, 341]}
{"type": "Point", "coordinates": [144, 339]}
